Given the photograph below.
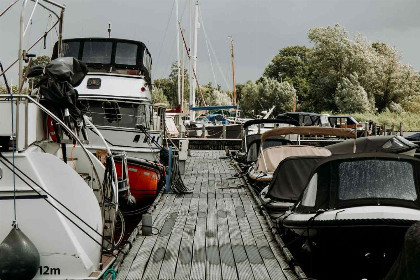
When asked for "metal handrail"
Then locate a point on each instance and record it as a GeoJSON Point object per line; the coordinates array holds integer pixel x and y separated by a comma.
{"type": "Point", "coordinates": [54, 117]}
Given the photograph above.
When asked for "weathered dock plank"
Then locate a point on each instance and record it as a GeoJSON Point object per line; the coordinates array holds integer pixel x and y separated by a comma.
{"type": "Point", "coordinates": [217, 232]}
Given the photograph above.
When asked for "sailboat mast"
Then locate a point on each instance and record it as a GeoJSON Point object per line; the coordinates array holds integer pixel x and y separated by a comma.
{"type": "Point", "coordinates": [177, 53]}
{"type": "Point", "coordinates": [192, 101]}
{"type": "Point", "coordinates": [233, 70]}
{"type": "Point", "coordinates": [195, 50]}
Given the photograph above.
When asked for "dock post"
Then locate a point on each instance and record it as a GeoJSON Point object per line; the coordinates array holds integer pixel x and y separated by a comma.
{"type": "Point", "coordinates": [224, 132]}
{"type": "Point", "coordinates": [401, 129]}
{"type": "Point", "coordinates": [168, 172]}
{"type": "Point", "coordinates": [147, 223]}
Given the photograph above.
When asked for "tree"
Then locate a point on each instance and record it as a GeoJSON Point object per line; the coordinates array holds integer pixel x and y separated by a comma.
{"type": "Point", "coordinates": [263, 95]}
{"type": "Point", "coordinates": [335, 58]}
{"type": "Point", "coordinates": [351, 97]}
{"type": "Point", "coordinates": [158, 96]}
{"type": "Point", "coordinates": [291, 64]}
{"type": "Point", "coordinates": [169, 86]}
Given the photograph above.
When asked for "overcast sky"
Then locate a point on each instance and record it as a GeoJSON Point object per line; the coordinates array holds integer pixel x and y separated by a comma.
{"type": "Point", "coordinates": [259, 28]}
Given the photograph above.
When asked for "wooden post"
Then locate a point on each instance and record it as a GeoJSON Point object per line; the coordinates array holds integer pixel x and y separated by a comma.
{"type": "Point", "coordinates": [224, 132]}
{"type": "Point", "coordinates": [374, 128]}
{"type": "Point", "coordinates": [401, 128]}
{"type": "Point", "coordinates": [203, 131]}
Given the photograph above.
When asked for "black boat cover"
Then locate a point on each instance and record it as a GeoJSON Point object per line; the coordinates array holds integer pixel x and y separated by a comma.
{"type": "Point", "coordinates": [290, 177]}
{"type": "Point", "coordinates": [56, 87]}
{"type": "Point", "coordinates": [364, 179]}
{"type": "Point", "coordinates": [279, 119]}
{"type": "Point", "coordinates": [372, 144]}
{"type": "Point", "coordinates": [413, 137]}
{"type": "Point", "coordinates": [407, 265]}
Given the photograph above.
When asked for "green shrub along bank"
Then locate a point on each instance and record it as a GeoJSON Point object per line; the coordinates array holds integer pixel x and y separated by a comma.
{"type": "Point", "coordinates": [410, 121]}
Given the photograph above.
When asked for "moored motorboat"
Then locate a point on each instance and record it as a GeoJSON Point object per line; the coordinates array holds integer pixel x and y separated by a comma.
{"type": "Point", "coordinates": [261, 172]}
{"type": "Point", "coordinates": [56, 192]}
{"type": "Point", "coordinates": [354, 212]}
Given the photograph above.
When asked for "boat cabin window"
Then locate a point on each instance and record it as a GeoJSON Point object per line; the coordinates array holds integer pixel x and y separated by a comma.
{"type": "Point", "coordinates": [117, 114]}
{"type": "Point", "coordinates": [126, 53]}
{"type": "Point", "coordinates": [97, 52]}
{"type": "Point", "coordinates": [71, 49]}
{"type": "Point", "coordinates": [376, 179]}
{"type": "Point", "coordinates": [309, 196]}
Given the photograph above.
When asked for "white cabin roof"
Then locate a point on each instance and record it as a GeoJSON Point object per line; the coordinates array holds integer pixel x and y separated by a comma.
{"type": "Point", "coordinates": [116, 86]}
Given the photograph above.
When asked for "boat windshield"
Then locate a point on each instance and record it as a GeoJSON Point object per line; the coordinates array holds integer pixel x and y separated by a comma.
{"type": "Point", "coordinates": [376, 179]}
{"type": "Point", "coordinates": [118, 114]}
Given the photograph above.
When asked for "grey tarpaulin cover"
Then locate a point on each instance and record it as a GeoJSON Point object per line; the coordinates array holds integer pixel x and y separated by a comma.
{"type": "Point", "coordinates": [291, 176]}
{"type": "Point", "coordinates": [407, 265]}
{"type": "Point", "coordinates": [371, 144]}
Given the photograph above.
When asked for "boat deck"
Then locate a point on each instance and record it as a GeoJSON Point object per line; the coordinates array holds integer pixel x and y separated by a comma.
{"type": "Point", "coordinates": [217, 232]}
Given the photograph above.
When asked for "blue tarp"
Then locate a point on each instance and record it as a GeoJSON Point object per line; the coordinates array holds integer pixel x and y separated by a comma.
{"type": "Point", "coordinates": [213, 107]}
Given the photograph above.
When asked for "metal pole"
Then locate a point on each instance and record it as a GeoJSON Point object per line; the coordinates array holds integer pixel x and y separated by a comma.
{"type": "Point", "coordinates": [194, 57]}
{"type": "Point", "coordinates": [60, 34]}
{"type": "Point", "coordinates": [182, 79]}
{"type": "Point", "coordinates": [20, 54]}
{"type": "Point", "coordinates": [168, 173]}
{"type": "Point", "coordinates": [192, 114]}
{"type": "Point", "coordinates": [233, 70]}
{"type": "Point", "coordinates": [177, 53]}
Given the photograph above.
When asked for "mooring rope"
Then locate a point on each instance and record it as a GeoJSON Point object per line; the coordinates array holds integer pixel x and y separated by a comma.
{"type": "Point", "coordinates": [15, 223]}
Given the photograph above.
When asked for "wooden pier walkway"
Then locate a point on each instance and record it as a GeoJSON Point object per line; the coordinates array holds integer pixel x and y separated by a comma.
{"type": "Point", "coordinates": [216, 232]}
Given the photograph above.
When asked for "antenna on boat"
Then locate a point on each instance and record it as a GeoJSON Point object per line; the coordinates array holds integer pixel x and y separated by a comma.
{"type": "Point", "coordinates": [109, 30]}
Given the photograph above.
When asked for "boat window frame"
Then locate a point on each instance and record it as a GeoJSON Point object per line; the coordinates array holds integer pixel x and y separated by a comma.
{"type": "Point", "coordinates": [336, 203]}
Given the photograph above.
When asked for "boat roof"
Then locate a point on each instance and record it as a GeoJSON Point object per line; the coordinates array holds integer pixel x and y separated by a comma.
{"type": "Point", "coordinates": [310, 130]}
{"type": "Point", "coordinates": [389, 144]}
{"type": "Point", "coordinates": [116, 55]}
{"type": "Point", "coordinates": [364, 179]}
{"type": "Point", "coordinates": [270, 158]}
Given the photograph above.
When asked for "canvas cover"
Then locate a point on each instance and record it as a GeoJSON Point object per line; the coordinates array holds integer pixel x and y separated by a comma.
{"type": "Point", "coordinates": [270, 158]}
{"type": "Point", "coordinates": [291, 176]}
{"type": "Point", "coordinates": [371, 144]}
{"type": "Point", "coordinates": [354, 179]}
{"type": "Point", "coordinates": [310, 130]}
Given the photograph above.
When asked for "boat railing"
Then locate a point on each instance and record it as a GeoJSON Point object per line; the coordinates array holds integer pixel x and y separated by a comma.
{"type": "Point", "coordinates": [23, 138]}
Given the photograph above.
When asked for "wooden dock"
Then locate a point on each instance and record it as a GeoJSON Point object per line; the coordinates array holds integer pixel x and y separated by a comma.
{"type": "Point", "coordinates": [217, 232]}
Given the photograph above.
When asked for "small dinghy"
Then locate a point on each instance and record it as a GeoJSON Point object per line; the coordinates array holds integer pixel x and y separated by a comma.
{"type": "Point", "coordinates": [354, 212]}
{"type": "Point", "coordinates": [144, 178]}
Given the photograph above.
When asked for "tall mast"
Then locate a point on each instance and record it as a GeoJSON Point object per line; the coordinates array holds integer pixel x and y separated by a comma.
{"type": "Point", "coordinates": [192, 114]}
{"type": "Point", "coordinates": [233, 70]}
{"type": "Point", "coordinates": [177, 53]}
{"type": "Point", "coordinates": [195, 83]}
{"type": "Point", "coordinates": [182, 77]}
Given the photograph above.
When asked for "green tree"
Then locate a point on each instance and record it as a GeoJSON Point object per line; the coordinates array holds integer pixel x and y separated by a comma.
{"type": "Point", "coordinates": [351, 97]}
{"type": "Point", "coordinates": [264, 94]}
{"type": "Point", "coordinates": [291, 64]}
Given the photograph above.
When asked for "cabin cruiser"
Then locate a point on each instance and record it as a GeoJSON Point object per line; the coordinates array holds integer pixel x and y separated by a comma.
{"type": "Point", "coordinates": [261, 172]}
{"type": "Point", "coordinates": [353, 213]}
{"type": "Point", "coordinates": [62, 201]}
{"type": "Point", "coordinates": [116, 96]}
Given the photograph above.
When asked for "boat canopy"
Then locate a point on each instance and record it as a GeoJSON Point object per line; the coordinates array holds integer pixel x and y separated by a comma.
{"type": "Point", "coordinates": [269, 158]}
{"type": "Point", "coordinates": [280, 119]}
{"type": "Point", "coordinates": [291, 176]}
{"type": "Point", "coordinates": [386, 144]}
{"type": "Point", "coordinates": [310, 130]}
{"type": "Point", "coordinates": [109, 55]}
{"type": "Point", "coordinates": [367, 179]}
{"type": "Point", "coordinates": [304, 118]}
